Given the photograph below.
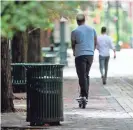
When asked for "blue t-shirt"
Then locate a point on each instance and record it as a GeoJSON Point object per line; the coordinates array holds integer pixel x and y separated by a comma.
{"type": "Point", "coordinates": [83, 35]}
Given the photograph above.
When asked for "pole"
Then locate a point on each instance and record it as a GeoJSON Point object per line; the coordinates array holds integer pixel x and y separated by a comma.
{"type": "Point", "coordinates": [63, 45]}
{"type": "Point", "coordinates": [117, 26]}
{"type": "Point", "coordinates": [108, 16]}
{"type": "Point", "coordinates": [131, 15]}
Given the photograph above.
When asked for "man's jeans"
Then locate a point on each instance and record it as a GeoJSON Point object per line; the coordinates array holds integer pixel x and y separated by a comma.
{"type": "Point", "coordinates": [83, 65]}
{"type": "Point", "coordinates": [103, 65]}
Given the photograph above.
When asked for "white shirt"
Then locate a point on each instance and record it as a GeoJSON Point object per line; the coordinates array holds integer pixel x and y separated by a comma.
{"type": "Point", "coordinates": [104, 44]}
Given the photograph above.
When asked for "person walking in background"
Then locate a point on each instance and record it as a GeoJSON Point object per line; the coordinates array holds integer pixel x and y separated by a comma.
{"type": "Point", "coordinates": [83, 40]}
{"type": "Point", "coordinates": [104, 44]}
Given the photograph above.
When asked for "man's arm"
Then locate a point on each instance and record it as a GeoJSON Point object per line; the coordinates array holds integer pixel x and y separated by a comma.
{"type": "Point", "coordinates": [114, 53]}
{"type": "Point", "coordinates": [112, 47]}
{"type": "Point", "coordinates": [73, 43]}
{"type": "Point", "coordinates": [95, 39]}
{"type": "Point", "coordinates": [95, 42]}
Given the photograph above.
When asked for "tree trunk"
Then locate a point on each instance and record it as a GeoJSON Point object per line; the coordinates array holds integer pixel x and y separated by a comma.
{"type": "Point", "coordinates": [19, 47]}
{"type": "Point", "coordinates": [45, 38]}
{"type": "Point", "coordinates": [6, 86]}
{"type": "Point", "coordinates": [25, 45]}
{"type": "Point", "coordinates": [34, 46]}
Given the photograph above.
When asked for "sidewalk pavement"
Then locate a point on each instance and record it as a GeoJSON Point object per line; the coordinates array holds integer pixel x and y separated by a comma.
{"type": "Point", "coordinates": [110, 107]}
{"type": "Point", "coordinates": [121, 66]}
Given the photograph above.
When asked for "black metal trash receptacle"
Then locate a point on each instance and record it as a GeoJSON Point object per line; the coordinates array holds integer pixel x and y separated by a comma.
{"type": "Point", "coordinates": [44, 94]}
{"type": "Point", "coordinates": [50, 59]}
{"type": "Point", "coordinates": [18, 72]}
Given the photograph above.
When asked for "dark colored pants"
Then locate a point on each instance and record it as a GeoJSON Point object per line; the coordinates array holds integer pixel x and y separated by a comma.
{"type": "Point", "coordinates": [83, 65]}
{"type": "Point", "coordinates": [103, 65]}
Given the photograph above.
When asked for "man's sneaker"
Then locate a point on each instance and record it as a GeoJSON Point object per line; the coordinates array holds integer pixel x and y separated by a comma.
{"type": "Point", "coordinates": [104, 81]}
{"type": "Point", "coordinates": [80, 98]}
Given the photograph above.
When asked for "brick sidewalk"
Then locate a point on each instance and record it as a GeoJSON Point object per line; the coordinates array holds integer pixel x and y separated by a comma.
{"type": "Point", "coordinates": [109, 107]}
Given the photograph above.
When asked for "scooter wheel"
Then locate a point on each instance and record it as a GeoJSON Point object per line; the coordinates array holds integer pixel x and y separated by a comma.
{"type": "Point", "coordinates": [80, 105]}
{"type": "Point", "coordinates": [84, 106]}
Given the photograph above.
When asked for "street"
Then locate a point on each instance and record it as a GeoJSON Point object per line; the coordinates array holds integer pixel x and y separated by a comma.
{"type": "Point", "coordinates": [109, 107]}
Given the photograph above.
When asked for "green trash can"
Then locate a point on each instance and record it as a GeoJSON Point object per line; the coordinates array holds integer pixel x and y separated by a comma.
{"type": "Point", "coordinates": [44, 94]}
{"type": "Point", "coordinates": [51, 57]}
{"type": "Point", "coordinates": [18, 72]}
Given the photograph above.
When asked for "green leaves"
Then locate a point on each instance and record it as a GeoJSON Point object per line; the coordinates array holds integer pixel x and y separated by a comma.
{"type": "Point", "coordinates": [18, 16]}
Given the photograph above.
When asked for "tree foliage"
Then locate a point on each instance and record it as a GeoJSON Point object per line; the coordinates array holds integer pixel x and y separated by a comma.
{"type": "Point", "coordinates": [18, 15]}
